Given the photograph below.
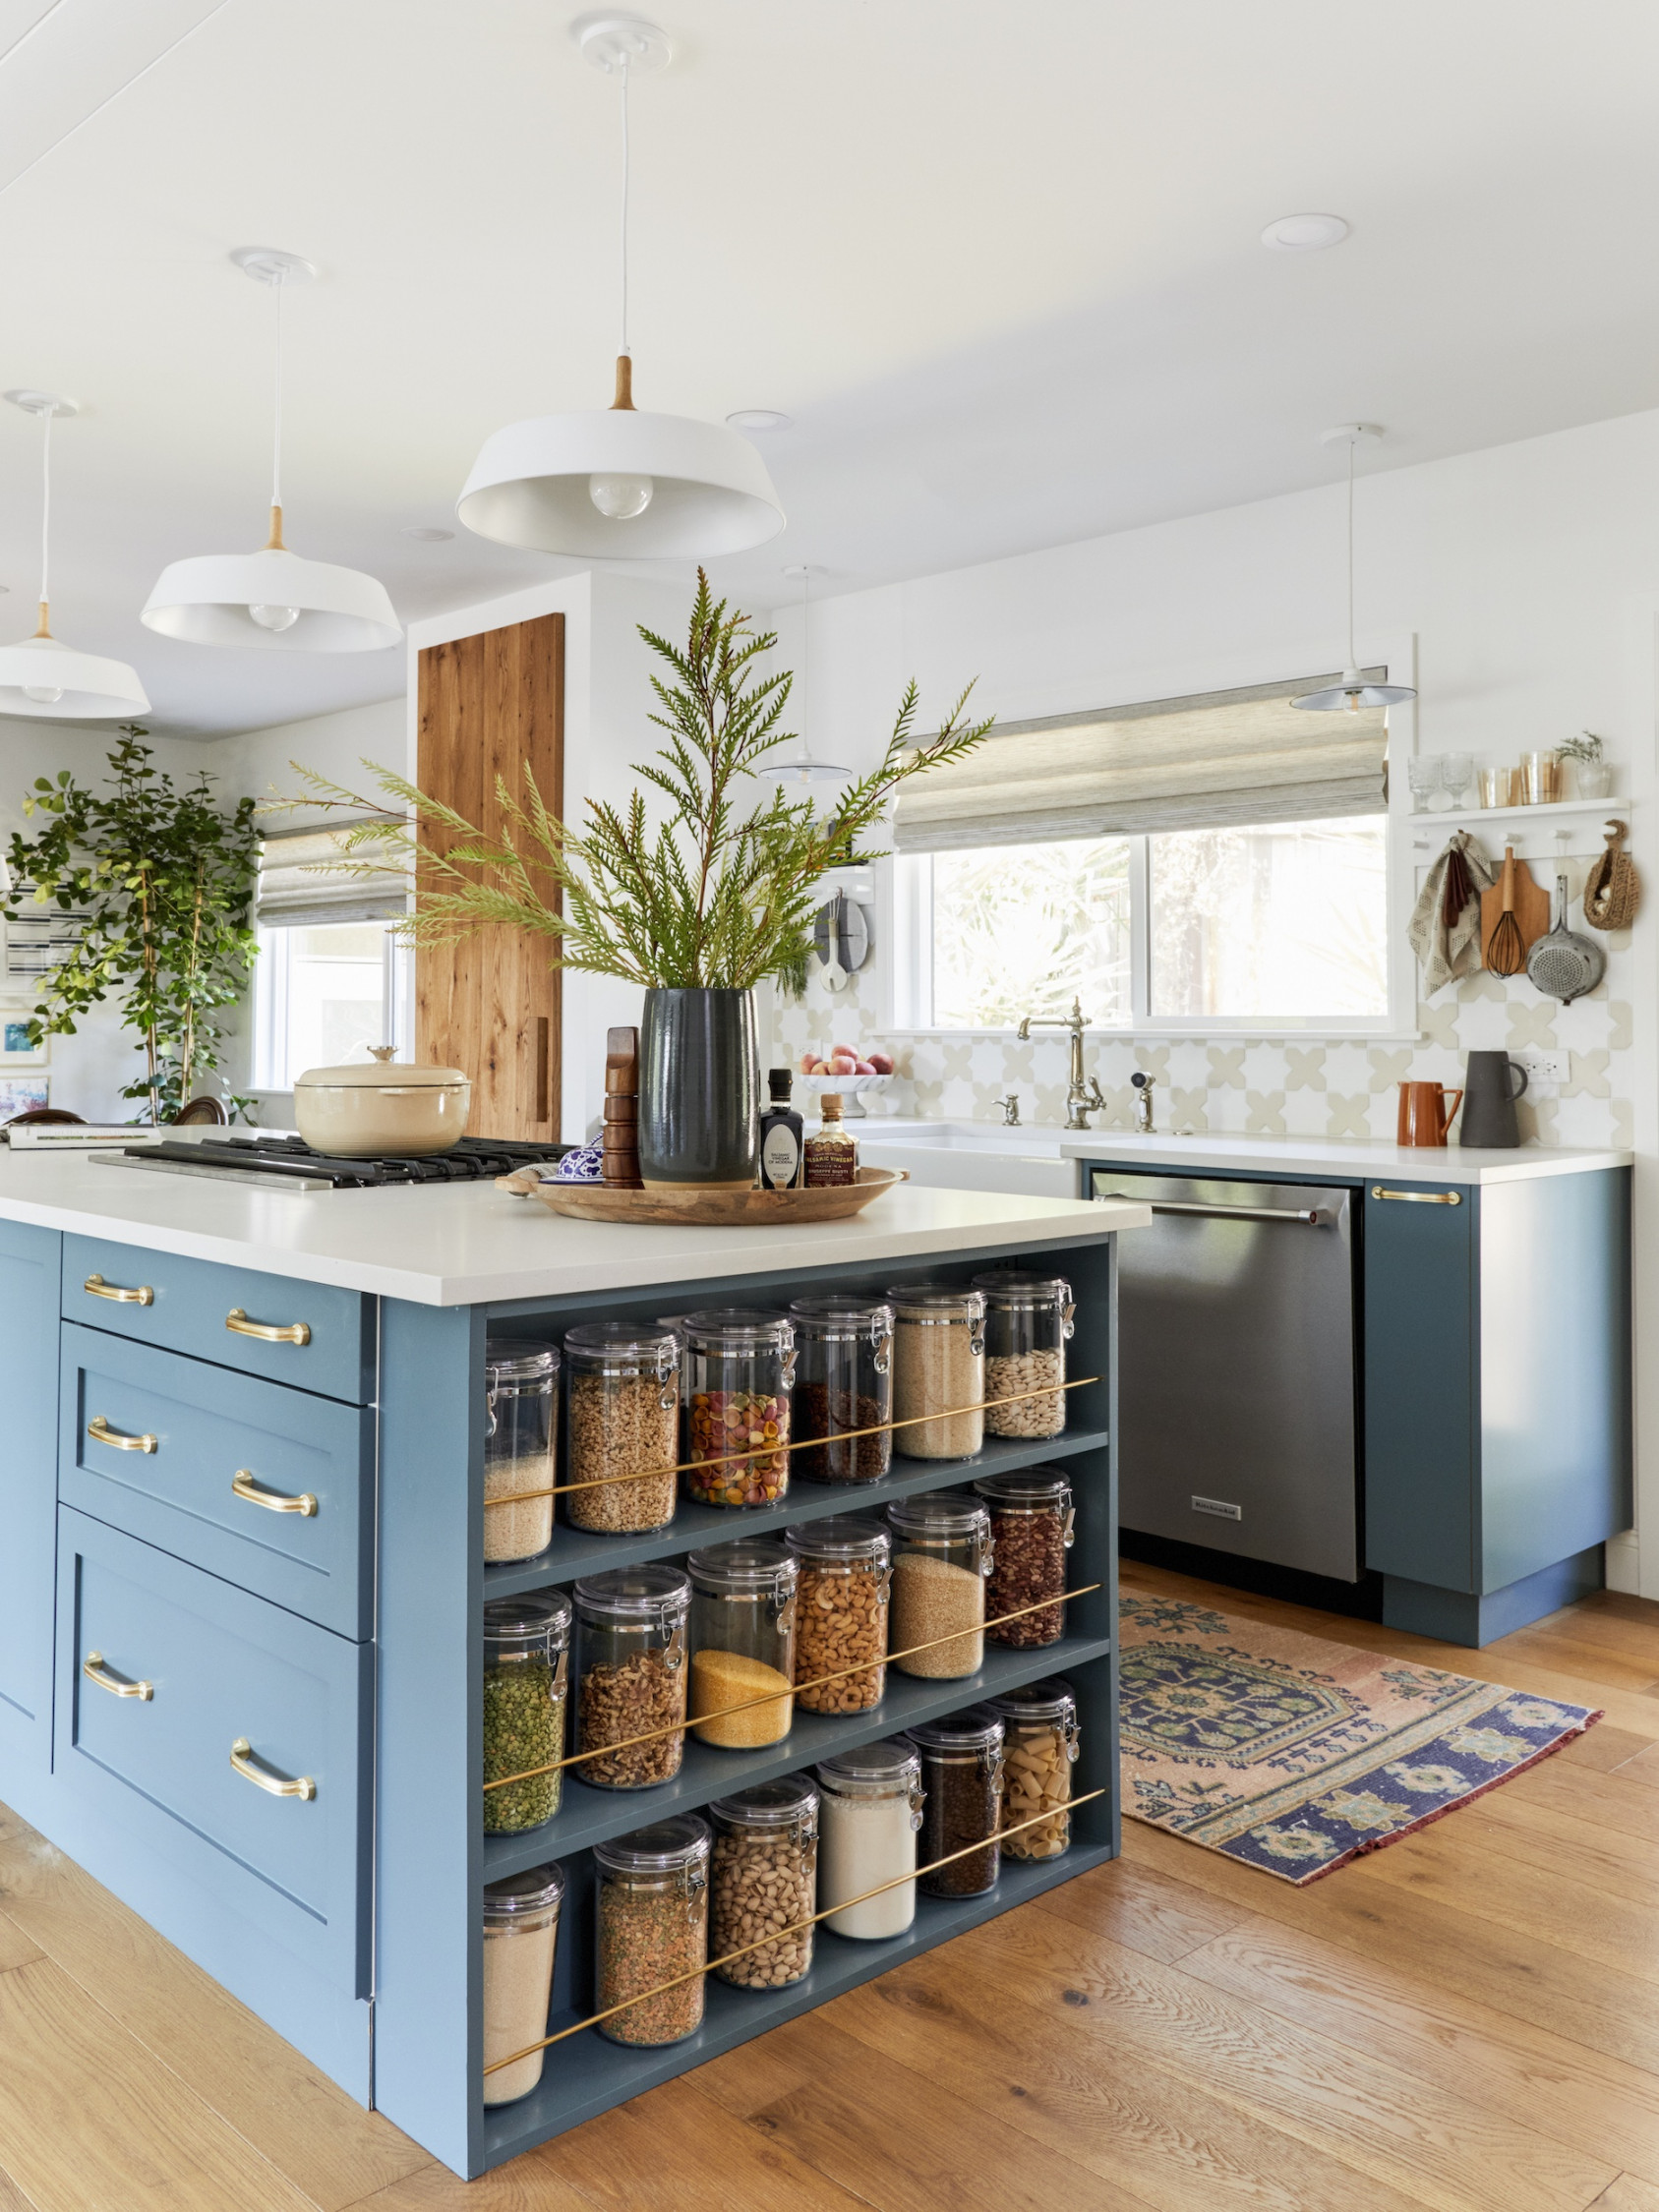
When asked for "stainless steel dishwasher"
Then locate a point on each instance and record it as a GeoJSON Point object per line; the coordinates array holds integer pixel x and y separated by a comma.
{"type": "Point", "coordinates": [1236, 1372]}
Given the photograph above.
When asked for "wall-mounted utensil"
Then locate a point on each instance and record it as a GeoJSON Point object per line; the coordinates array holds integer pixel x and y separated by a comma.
{"type": "Point", "coordinates": [1561, 965]}
{"type": "Point", "coordinates": [1611, 892]}
{"type": "Point", "coordinates": [1514, 915]}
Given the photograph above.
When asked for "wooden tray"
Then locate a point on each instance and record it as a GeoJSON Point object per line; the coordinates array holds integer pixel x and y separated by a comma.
{"type": "Point", "coordinates": [699, 1207]}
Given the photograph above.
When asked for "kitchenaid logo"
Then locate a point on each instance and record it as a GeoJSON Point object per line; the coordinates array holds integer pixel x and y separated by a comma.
{"type": "Point", "coordinates": [1219, 1508]}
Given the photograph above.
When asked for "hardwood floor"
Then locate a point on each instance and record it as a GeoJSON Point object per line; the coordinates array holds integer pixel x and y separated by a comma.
{"type": "Point", "coordinates": [1467, 2021]}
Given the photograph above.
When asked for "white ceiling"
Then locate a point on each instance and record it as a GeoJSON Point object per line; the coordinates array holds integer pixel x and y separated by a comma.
{"type": "Point", "coordinates": [1000, 263]}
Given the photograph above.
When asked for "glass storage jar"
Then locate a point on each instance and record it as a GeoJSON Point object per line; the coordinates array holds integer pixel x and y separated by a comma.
{"type": "Point", "coordinates": [743, 1643]}
{"type": "Point", "coordinates": [840, 1612]}
{"type": "Point", "coordinates": [740, 1365]}
{"type": "Point", "coordinates": [1031, 1534]}
{"type": "Point", "coordinates": [520, 1936]}
{"type": "Point", "coordinates": [1030, 1319]}
{"type": "Point", "coordinates": [622, 1412]}
{"type": "Point", "coordinates": [651, 1895]}
{"type": "Point", "coordinates": [962, 1788]}
{"type": "Point", "coordinates": [764, 1878]}
{"type": "Point", "coordinates": [520, 1446]}
{"type": "Point", "coordinates": [843, 1381]}
{"type": "Point", "coordinates": [867, 1817]}
{"type": "Point", "coordinates": [1039, 1750]}
{"type": "Point", "coordinates": [941, 1556]}
{"type": "Point", "coordinates": [938, 1369]}
{"type": "Point", "coordinates": [631, 1675]}
{"type": "Point", "coordinates": [526, 1649]}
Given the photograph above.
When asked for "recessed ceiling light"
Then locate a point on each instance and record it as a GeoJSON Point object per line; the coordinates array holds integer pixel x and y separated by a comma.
{"type": "Point", "coordinates": [424, 534]}
{"type": "Point", "coordinates": [1304, 234]}
{"type": "Point", "coordinates": [758, 418]}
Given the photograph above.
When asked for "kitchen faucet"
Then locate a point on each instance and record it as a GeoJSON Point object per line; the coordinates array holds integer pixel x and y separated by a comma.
{"type": "Point", "coordinates": [1081, 1100]}
{"type": "Point", "coordinates": [1010, 1110]}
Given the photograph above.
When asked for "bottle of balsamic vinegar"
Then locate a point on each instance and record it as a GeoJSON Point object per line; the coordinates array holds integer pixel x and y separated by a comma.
{"type": "Point", "coordinates": [832, 1155]}
{"type": "Point", "coordinates": [782, 1157]}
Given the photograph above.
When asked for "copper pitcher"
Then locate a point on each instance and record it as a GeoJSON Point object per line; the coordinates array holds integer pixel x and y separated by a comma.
{"type": "Point", "coordinates": [1424, 1115]}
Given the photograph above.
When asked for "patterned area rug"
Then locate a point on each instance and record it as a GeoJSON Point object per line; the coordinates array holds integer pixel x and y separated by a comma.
{"type": "Point", "coordinates": [1294, 1755]}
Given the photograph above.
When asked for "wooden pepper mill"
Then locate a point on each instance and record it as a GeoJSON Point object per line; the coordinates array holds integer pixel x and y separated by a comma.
{"type": "Point", "coordinates": [619, 1159]}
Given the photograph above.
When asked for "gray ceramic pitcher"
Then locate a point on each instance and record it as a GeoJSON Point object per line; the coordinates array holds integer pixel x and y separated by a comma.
{"type": "Point", "coordinates": [1490, 1086]}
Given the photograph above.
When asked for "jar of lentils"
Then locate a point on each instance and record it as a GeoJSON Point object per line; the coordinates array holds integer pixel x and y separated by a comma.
{"type": "Point", "coordinates": [841, 1612]}
{"type": "Point", "coordinates": [622, 1398]}
{"type": "Point", "coordinates": [1030, 1319]}
{"type": "Point", "coordinates": [651, 1895]}
{"type": "Point", "coordinates": [1031, 1534]}
{"type": "Point", "coordinates": [1041, 1745]}
{"type": "Point", "coordinates": [842, 1383]}
{"type": "Point", "coordinates": [962, 1777]}
{"type": "Point", "coordinates": [740, 1368]}
{"type": "Point", "coordinates": [742, 1644]}
{"type": "Point", "coordinates": [941, 1558]}
{"type": "Point", "coordinates": [764, 1878]}
{"type": "Point", "coordinates": [520, 1446]}
{"type": "Point", "coordinates": [526, 1649]}
{"type": "Point", "coordinates": [632, 1675]}
{"type": "Point", "coordinates": [938, 1369]}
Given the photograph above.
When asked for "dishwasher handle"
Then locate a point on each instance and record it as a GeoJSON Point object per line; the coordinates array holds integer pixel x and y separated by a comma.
{"type": "Point", "coordinates": [1310, 1216]}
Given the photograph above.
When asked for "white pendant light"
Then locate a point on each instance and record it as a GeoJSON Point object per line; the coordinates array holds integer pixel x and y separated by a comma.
{"type": "Point", "coordinates": [804, 772]}
{"type": "Point", "coordinates": [273, 600]}
{"type": "Point", "coordinates": [618, 483]}
{"type": "Point", "coordinates": [1353, 692]}
{"type": "Point", "coordinates": [40, 678]}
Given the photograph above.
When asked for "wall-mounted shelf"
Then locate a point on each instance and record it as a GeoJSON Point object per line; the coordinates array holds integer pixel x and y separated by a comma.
{"type": "Point", "coordinates": [1558, 810]}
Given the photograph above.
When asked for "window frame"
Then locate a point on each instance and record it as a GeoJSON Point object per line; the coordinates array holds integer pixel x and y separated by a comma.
{"type": "Point", "coordinates": [273, 1077]}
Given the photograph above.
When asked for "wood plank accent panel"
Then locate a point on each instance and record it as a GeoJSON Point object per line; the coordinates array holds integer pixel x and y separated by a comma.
{"type": "Point", "coordinates": [491, 705]}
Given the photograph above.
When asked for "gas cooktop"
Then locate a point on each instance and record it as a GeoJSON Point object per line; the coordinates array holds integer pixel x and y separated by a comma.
{"type": "Point", "coordinates": [288, 1163]}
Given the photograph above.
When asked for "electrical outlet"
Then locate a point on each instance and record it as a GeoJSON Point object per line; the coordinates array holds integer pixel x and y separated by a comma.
{"type": "Point", "coordinates": [1545, 1067]}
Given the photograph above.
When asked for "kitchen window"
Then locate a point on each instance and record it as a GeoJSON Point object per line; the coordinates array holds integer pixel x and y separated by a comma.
{"type": "Point", "coordinates": [331, 980]}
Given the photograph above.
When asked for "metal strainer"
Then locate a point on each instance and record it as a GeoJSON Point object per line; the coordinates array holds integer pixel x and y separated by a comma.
{"type": "Point", "coordinates": [1563, 964]}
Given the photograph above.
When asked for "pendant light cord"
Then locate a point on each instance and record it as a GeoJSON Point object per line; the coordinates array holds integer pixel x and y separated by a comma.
{"type": "Point", "coordinates": [46, 513]}
{"type": "Point", "coordinates": [1352, 663]}
{"type": "Point", "coordinates": [806, 667]}
{"type": "Point", "coordinates": [275, 539]}
{"type": "Point", "coordinates": [623, 72]}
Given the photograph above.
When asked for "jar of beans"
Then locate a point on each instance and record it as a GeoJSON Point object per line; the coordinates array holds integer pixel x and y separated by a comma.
{"type": "Point", "coordinates": [1041, 1745]}
{"type": "Point", "coordinates": [520, 1936]}
{"type": "Point", "coordinates": [843, 1381]}
{"type": "Point", "coordinates": [526, 1647]}
{"type": "Point", "coordinates": [870, 1811]}
{"type": "Point", "coordinates": [841, 1612]}
{"type": "Point", "coordinates": [1030, 1532]}
{"type": "Point", "coordinates": [962, 1776]}
{"type": "Point", "coordinates": [941, 1556]}
{"type": "Point", "coordinates": [622, 1401]}
{"type": "Point", "coordinates": [742, 1644]}
{"type": "Point", "coordinates": [1029, 1323]}
{"type": "Point", "coordinates": [938, 1369]}
{"type": "Point", "coordinates": [520, 1440]}
{"type": "Point", "coordinates": [632, 1675]}
{"type": "Point", "coordinates": [740, 1368]}
{"type": "Point", "coordinates": [764, 1878]}
{"type": "Point", "coordinates": [652, 1901]}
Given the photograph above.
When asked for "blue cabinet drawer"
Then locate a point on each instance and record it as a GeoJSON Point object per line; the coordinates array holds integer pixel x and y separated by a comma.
{"type": "Point", "coordinates": [320, 1338]}
{"type": "Point", "coordinates": [186, 1673]}
{"type": "Point", "coordinates": [272, 1488]}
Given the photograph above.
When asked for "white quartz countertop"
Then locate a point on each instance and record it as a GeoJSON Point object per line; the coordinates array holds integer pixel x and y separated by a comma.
{"type": "Point", "coordinates": [469, 1243]}
{"type": "Point", "coordinates": [1368, 1157]}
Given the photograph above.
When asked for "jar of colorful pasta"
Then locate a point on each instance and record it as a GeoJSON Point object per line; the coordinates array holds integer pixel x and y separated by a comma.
{"type": "Point", "coordinates": [739, 1369]}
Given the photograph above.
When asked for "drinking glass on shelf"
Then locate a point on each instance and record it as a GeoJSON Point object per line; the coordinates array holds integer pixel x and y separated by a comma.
{"type": "Point", "coordinates": [1539, 776]}
{"type": "Point", "coordinates": [1494, 786]}
{"type": "Point", "coordinates": [1422, 771]}
{"type": "Point", "coordinates": [1456, 773]}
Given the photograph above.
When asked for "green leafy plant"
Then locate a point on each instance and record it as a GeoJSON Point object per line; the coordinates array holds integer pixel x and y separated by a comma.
{"type": "Point", "coordinates": [705, 894]}
{"type": "Point", "coordinates": [160, 884]}
{"type": "Point", "coordinates": [1586, 747]}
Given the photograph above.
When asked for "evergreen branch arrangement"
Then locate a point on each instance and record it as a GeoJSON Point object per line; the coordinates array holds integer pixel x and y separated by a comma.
{"type": "Point", "coordinates": [1588, 746]}
{"type": "Point", "coordinates": [705, 896]}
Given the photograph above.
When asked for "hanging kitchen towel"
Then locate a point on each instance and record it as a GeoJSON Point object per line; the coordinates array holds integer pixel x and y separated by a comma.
{"type": "Point", "coordinates": [1448, 949]}
{"type": "Point", "coordinates": [1611, 894]}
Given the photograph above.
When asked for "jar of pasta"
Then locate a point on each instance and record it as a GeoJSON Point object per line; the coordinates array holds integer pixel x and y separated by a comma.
{"type": "Point", "coordinates": [1029, 1323]}
{"type": "Point", "coordinates": [1039, 1750]}
{"type": "Point", "coordinates": [741, 1366]}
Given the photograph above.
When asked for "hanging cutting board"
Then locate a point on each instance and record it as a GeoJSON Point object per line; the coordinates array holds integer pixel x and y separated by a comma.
{"type": "Point", "coordinates": [1532, 909]}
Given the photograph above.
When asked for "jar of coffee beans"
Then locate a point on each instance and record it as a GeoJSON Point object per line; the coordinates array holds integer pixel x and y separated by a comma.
{"type": "Point", "coordinates": [1039, 1750]}
{"type": "Point", "coordinates": [841, 1612]}
{"type": "Point", "coordinates": [740, 1368]}
{"type": "Point", "coordinates": [842, 1383]}
{"type": "Point", "coordinates": [631, 1679]}
{"type": "Point", "coordinates": [1029, 1321]}
{"type": "Point", "coordinates": [1032, 1531]}
{"type": "Point", "coordinates": [938, 1369]}
{"type": "Point", "coordinates": [962, 1776]}
{"type": "Point", "coordinates": [764, 1879]}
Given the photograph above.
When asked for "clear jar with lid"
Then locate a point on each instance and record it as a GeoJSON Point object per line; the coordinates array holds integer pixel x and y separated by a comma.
{"type": "Point", "coordinates": [743, 1643]}
{"type": "Point", "coordinates": [526, 1650]}
{"type": "Point", "coordinates": [632, 1675]}
{"type": "Point", "coordinates": [840, 1612]}
{"type": "Point", "coordinates": [764, 1879]}
{"type": "Point", "coordinates": [941, 1556]}
{"type": "Point", "coordinates": [520, 1937]}
{"type": "Point", "coordinates": [938, 1369]}
{"type": "Point", "coordinates": [868, 1815]}
{"type": "Point", "coordinates": [843, 1381]}
{"type": "Point", "coordinates": [962, 1779]}
{"type": "Point", "coordinates": [1030, 1319]}
{"type": "Point", "coordinates": [520, 1446]}
{"type": "Point", "coordinates": [651, 1898]}
{"type": "Point", "coordinates": [1039, 1750]}
{"type": "Point", "coordinates": [1030, 1532]}
{"type": "Point", "coordinates": [621, 1394]}
{"type": "Point", "coordinates": [740, 1368]}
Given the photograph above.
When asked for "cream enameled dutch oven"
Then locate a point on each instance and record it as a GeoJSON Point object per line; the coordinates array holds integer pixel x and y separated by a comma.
{"type": "Point", "coordinates": [376, 1106]}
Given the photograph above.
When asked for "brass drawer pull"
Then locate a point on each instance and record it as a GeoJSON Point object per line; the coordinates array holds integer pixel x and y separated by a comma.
{"type": "Point", "coordinates": [243, 1485]}
{"type": "Point", "coordinates": [241, 1757]}
{"type": "Point", "coordinates": [101, 1433]}
{"type": "Point", "coordinates": [1419, 1198]}
{"type": "Point", "coordinates": [143, 1295]}
{"type": "Point", "coordinates": [95, 1670]}
{"type": "Point", "coordinates": [238, 1323]}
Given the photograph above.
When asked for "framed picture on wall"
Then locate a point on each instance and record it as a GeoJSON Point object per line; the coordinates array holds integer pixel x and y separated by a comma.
{"type": "Point", "coordinates": [20, 1094]}
{"type": "Point", "coordinates": [16, 1051]}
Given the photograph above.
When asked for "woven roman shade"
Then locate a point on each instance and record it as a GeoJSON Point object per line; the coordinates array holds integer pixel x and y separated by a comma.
{"type": "Point", "coordinates": [297, 892]}
{"type": "Point", "coordinates": [1209, 761]}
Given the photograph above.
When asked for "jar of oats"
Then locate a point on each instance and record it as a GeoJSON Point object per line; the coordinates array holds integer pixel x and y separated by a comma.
{"type": "Point", "coordinates": [1039, 1750]}
{"type": "Point", "coordinates": [1032, 1516]}
{"type": "Point", "coordinates": [520, 1439]}
{"type": "Point", "coordinates": [651, 1895]}
{"type": "Point", "coordinates": [632, 1677]}
{"type": "Point", "coordinates": [621, 1397]}
{"type": "Point", "coordinates": [764, 1878]}
{"type": "Point", "coordinates": [840, 1612]}
{"type": "Point", "coordinates": [1029, 1321]}
{"type": "Point", "coordinates": [938, 1369]}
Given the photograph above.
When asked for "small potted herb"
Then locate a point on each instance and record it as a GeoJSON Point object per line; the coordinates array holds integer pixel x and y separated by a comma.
{"type": "Point", "coordinates": [1590, 773]}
